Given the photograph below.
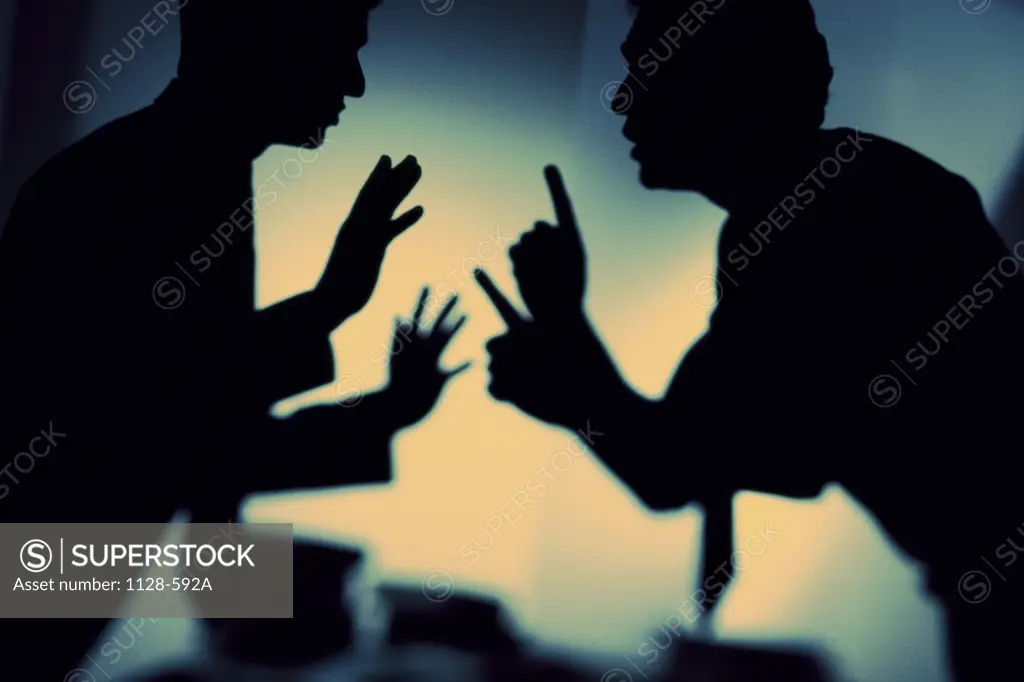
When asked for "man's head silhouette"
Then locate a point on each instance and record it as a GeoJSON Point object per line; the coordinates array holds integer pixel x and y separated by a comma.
{"type": "Point", "coordinates": [717, 86]}
{"type": "Point", "coordinates": [283, 68]}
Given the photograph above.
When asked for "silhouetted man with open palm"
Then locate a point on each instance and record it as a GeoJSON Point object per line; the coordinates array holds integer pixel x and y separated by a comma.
{"type": "Point", "coordinates": [127, 299]}
{"type": "Point", "coordinates": [867, 326]}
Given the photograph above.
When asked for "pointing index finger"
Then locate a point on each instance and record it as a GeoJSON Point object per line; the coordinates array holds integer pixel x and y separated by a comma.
{"type": "Point", "coordinates": [563, 206]}
{"type": "Point", "coordinates": [504, 307]}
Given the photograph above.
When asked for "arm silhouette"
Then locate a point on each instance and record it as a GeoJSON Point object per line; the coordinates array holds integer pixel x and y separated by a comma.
{"type": "Point", "coordinates": [291, 339]}
{"type": "Point", "coordinates": [293, 353]}
{"type": "Point", "coordinates": [553, 366]}
{"type": "Point", "coordinates": [561, 374]}
{"type": "Point", "coordinates": [348, 443]}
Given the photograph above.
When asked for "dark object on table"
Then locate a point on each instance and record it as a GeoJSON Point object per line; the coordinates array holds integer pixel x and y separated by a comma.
{"type": "Point", "coordinates": [471, 624]}
{"type": "Point", "coordinates": [716, 662]}
{"type": "Point", "coordinates": [322, 625]}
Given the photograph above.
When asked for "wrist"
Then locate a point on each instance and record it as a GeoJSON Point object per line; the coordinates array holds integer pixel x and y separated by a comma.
{"type": "Point", "coordinates": [388, 410]}
{"type": "Point", "coordinates": [326, 311]}
{"type": "Point", "coordinates": [600, 388]}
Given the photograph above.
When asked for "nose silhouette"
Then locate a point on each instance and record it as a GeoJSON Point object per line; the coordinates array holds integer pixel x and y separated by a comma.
{"type": "Point", "coordinates": [355, 82]}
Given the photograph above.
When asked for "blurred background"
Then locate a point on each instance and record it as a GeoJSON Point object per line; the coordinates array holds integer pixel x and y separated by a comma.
{"type": "Point", "coordinates": [485, 94]}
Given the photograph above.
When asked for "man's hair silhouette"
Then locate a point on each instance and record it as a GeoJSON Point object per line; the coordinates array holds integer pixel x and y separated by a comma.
{"type": "Point", "coordinates": [712, 82]}
{"type": "Point", "coordinates": [296, 61]}
{"type": "Point", "coordinates": [847, 261]}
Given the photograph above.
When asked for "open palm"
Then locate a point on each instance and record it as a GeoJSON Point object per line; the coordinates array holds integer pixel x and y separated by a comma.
{"type": "Point", "coordinates": [352, 271]}
{"type": "Point", "coordinates": [416, 378]}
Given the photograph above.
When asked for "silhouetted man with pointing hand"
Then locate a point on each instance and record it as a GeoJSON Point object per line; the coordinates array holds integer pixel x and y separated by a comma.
{"type": "Point", "coordinates": [846, 260]}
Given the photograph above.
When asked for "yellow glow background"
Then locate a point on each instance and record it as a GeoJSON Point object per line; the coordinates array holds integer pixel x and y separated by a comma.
{"type": "Point", "coordinates": [586, 567]}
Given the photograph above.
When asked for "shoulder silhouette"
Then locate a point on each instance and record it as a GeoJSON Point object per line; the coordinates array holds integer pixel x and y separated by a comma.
{"type": "Point", "coordinates": [127, 297]}
{"type": "Point", "coordinates": [867, 316]}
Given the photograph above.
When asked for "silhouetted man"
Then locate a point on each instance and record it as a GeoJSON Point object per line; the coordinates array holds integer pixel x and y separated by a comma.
{"type": "Point", "coordinates": [127, 299]}
{"type": "Point", "coordinates": [867, 322]}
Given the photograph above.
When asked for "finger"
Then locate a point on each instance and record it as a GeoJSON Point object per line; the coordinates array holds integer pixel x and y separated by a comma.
{"type": "Point", "coordinates": [507, 311]}
{"type": "Point", "coordinates": [407, 165]}
{"type": "Point", "coordinates": [421, 304]}
{"type": "Point", "coordinates": [456, 327]}
{"type": "Point", "coordinates": [528, 241]}
{"type": "Point", "coordinates": [379, 172]}
{"type": "Point", "coordinates": [449, 304]}
{"type": "Point", "coordinates": [405, 221]}
{"type": "Point", "coordinates": [375, 181]}
{"type": "Point", "coordinates": [458, 370]}
{"type": "Point", "coordinates": [402, 179]}
{"type": "Point", "coordinates": [402, 331]}
{"type": "Point", "coordinates": [563, 206]}
{"type": "Point", "coordinates": [406, 175]}
{"type": "Point", "coordinates": [445, 336]}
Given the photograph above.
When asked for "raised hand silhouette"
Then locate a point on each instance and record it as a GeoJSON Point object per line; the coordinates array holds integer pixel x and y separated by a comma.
{"type": "Point", "coordinates": [535, 363]}
{"type": "Point", "coordinates": [548, 261]}
{"type": "Point", "coordinates": [416, 380]}
{"type": "Point", "coordinates": [351, 274]}
{"type": "Point", "coordinates": [555, 349]}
